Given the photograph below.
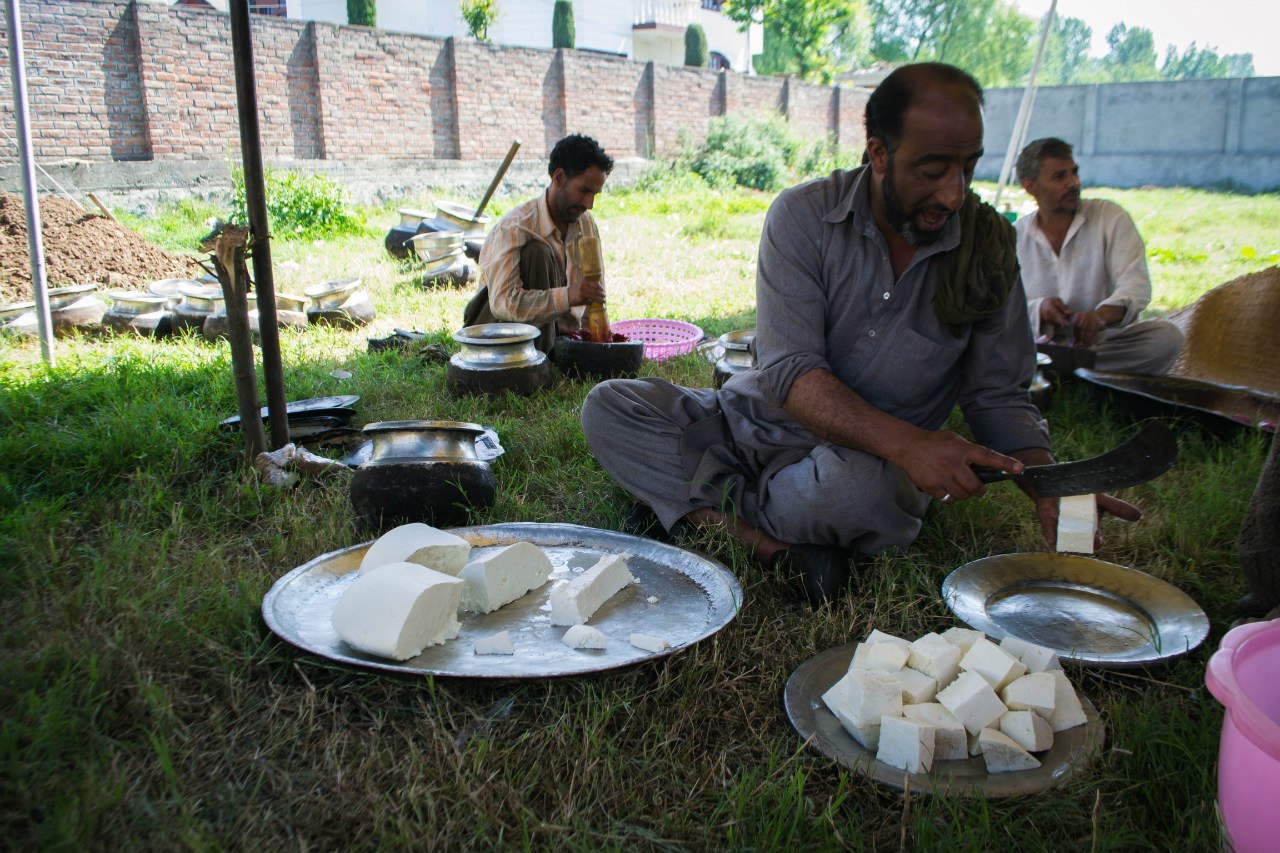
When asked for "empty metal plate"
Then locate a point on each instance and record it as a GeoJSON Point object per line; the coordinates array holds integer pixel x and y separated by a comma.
{"type": "Point", "coordinates": [819, 727]}
{"type": "Point", "coordinates": [693, 598]}
{"type": "Point", "coordinates": [1086, 610]}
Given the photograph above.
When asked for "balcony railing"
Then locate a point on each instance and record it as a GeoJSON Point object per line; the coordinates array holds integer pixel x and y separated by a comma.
{"type": "Point", "coordinates": [674, 13]}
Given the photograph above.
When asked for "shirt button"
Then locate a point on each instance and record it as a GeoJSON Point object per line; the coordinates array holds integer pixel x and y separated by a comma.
{"type": "Point", "coordinates": [885, 296]}
{"type": "Point", "coordinates": [871, 334]}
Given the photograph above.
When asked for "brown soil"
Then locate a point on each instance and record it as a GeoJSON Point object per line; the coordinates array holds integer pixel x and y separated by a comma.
{"type": "Point", "coordinates": [79, 248]}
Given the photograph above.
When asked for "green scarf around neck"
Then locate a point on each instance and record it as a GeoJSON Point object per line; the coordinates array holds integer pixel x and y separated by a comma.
{"type": "Point", "coordinates": [974, 279]}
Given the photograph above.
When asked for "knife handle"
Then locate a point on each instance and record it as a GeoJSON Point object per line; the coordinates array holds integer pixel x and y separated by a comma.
{"type": "Point", "coordinates": [991, 475]}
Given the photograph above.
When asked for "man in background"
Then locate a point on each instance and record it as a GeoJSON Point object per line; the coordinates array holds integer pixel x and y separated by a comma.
{"type": "Point", "coordinates": [1084, 268]}
{"type": "Point", "coordinates": [527, 269]}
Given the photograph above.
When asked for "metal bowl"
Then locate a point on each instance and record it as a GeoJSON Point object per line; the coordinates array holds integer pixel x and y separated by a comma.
{"type": "Point", "coordinates": [200, 298]}
{"type": "Point", "coordinates": [17, 309]}
{"type": "Point", "coordinates": [493, 346]}
{"type": "Point", "coordinates": [440, 264]}
{"type": "Point", "coordinates": [61, 297]}
{"type": "Point", "coordinates": [132, 304]}
{"type": "Point", "coordinates": [331, 294]}
{"type": "Point", "coordinates": [433, 243]}
{"type": "Point", "coordinates": [463, 218]}
{"type": "Point", "coordinates": [411, 217]}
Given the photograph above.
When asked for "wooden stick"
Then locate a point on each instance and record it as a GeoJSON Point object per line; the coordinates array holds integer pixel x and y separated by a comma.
{"type": "Point", "coordinates": [497, 179]}
{"type": "Point", "coordinates": [105, 212]}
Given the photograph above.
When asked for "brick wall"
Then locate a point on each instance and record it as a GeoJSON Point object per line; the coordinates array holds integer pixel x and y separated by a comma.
{"type": "Point", "coordinates": [143, 81]}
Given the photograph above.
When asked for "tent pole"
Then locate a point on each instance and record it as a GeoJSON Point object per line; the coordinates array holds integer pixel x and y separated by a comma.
{"type": "Point", "coordinates": [1023, 120]}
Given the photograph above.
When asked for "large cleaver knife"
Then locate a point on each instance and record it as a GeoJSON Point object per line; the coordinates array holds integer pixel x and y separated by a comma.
{"type": "Point", "coordinates": [1144, 457]}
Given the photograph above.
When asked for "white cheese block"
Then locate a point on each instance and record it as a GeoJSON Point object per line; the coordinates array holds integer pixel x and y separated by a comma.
{"type": "Point", "coordinates": [962, 637]}
{"type": "Point", "coordinates": [649, 643]}
{"type": "Point", "coordinates": [1028, 730]}
{"type": "Point", "coordinates": [916, 686]}
{"type": "Point", "coordinates": [398, 609]}
{"type": "Point", "coordinates": [867, 736]}
{"type": "Point", "coordinates": [1002, 754]}
{"type": "Point", "coordinates": [971, 700]}
{"type": "Point", "coordinates": [888, 657]}
{"type": "Point", "coordinates": [950, 740]}
{"type": "Point", "coordinates": [498, 644]}
{"type": "Point", "coordinates": [1077, 523]}
{"type": "Point", "coordinates": [863, 696]}
{"type": "Point", "coordinates": [1068, 712]}
{"type": "Point", "coordinates": [421, 544]}
{"type": "Point", "coordinates": [584, 637]}
{"type": "Point", "coordinates": [906, 744]}
{"type": "Point", "coordinates": [993, 663]}
{"type": "Point", "coordinates": [572, 603]}
{"type": "Point", "coordinates": [878, 636]}
{"type": "Point", "coordinates": [503, 576]}
{"type": "Point", "coordinates": [975, 743]}
{"type": "Point", "coordinates": [1034, 691]}
{"type": "Point", "coordinates": [936, 658]}
{"type": "Point", "coordinates": [1036, 658]}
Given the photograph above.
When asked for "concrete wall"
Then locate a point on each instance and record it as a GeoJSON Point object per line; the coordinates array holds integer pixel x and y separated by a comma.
{"type": "Point", "coordinates": [1184, 133]}
{"type": "Point", "coordinates": [143, 81]}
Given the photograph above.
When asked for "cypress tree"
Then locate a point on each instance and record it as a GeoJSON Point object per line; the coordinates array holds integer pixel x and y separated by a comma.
{"type": "Point", "coordinates": [363, 13]}
{"type": "Point", "coordinates": [695, 46]}
{"type": "Point", "coordinates": [562, 34]}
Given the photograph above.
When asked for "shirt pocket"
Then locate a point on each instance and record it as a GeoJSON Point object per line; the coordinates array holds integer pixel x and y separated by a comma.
{"type": "Point", "coordinates": [912, 374]}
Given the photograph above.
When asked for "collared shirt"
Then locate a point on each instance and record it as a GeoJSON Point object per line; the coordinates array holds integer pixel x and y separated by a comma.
{"type": "Point", "coordinates": [1102, 262]}
{"type": "Point", "coordinates": [826, 298]}
{"type": "Point", "coordinates": [500, 266]}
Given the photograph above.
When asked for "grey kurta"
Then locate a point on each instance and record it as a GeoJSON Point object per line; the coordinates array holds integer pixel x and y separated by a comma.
{"type": "Point", "coordinates": [826, 298]}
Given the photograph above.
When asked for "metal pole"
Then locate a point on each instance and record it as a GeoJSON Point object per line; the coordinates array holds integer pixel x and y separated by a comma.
{"type": "Point", "coordinates": [35, 240]}
{"type": "Point", "coordinates": [1024, 109]}
{"type": "Point", "coordinates": [255, 195]}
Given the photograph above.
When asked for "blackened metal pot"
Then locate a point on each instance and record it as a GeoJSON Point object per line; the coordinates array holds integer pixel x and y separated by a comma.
{"type": "Point", "coordinates": [495, 358]}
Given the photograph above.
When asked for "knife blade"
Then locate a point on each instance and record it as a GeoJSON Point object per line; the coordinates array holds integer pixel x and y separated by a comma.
{"type": "Point", "coordinates": [1142, 458]}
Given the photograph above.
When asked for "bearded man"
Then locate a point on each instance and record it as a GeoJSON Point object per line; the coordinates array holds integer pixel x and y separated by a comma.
{"type": "Point", "coordinates": [528, 270]}
{"type": "Point", "coordinates": [885, 296]}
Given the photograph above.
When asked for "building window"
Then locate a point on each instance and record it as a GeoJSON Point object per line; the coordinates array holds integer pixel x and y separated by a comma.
{"type": "Point", "coordinates": [712, 6]}
{"type": "Point", "coordinates": [717, 61]}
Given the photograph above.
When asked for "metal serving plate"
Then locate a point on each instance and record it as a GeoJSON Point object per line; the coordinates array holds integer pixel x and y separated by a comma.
{"type": "Point", "coordinates": [1069, 754]}
{"type": "Point", "coordinates": [696, 597]}
{"type": "Point", "coordinates": [1087, 610]}
{"type": "Point", "coordinates": [337, 406]}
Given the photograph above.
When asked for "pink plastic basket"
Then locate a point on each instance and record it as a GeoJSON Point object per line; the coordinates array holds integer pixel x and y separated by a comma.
{"type": "Point", "coordinates": [662, 338]}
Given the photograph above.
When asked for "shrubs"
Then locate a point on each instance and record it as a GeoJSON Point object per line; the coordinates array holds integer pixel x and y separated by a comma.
{"type": "Point", "coordinates": [300, 207]}
{"type": "Point", "coordinates": [695, 46]}
{"type": "Point", "coordinates": [759, 152]}
{"type": "Point", "coordinates": [562, 34]}
{"type": "Point", "coordinates": [363, 13]}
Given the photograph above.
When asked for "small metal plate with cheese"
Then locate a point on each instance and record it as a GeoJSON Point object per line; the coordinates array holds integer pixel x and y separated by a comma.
{"type": "Point", "coordinates": [1071, 751]}
{"type": "Point", "coordinates": [1087, 610]}
{"type": "Point", "coordinates": [695, 597]}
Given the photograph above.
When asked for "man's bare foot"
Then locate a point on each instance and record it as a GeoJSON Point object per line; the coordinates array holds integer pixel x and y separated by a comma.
{"type": "Point", "coordinates": [762, 545]}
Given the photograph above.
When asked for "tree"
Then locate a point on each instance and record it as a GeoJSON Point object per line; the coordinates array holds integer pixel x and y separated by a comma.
{"type": "Point", "coordinates": [816, 33]}
{"type": "Point", "coordinates": [1132, 55]}
{"type": "Point", "coordinates": [562, 34]}
{"type": "Point", "coordinates": [1067, 51]}
{"type": "Point", "coordinates": [479, 16]}
{"type": "Point", "coordinates": [990, 39]}
{"type": "Point", "coordinates": [1204, 64]}
{"type": "Point", "coordinates": [363, 13]}
{"type": "Point", "coordinates": [695, 46]}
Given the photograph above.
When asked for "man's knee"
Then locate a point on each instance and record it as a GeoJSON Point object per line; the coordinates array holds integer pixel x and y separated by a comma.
{"type": "Point", "coordinates": [539, 268]}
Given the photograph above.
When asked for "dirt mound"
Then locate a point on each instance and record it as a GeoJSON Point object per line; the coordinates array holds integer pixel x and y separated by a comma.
{"type": "Point", "coordinates": [79, 248]}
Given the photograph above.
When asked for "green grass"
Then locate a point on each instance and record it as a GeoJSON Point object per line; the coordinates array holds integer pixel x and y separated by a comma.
{"type": "Point", "coordinates": [146, 705]}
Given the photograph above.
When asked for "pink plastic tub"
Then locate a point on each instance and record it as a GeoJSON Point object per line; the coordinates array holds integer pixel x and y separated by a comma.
{"type": "Point", "coordinates": [1244, 675]}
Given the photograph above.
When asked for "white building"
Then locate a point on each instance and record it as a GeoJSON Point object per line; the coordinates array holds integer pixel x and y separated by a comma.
{"type": "Point", "coordinates": [641, 29]}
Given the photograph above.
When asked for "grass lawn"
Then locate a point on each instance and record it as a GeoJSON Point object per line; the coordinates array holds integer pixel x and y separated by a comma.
{"type": "Point", "coordinates": [146, 705]}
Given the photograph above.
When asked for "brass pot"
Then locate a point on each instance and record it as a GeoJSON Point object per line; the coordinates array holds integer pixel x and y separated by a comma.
{"type": "Point", "coordinates": [497, 357]}
{"type": "Point", "coordinates": [331, 294]}
{"type": "Point", "coordinates": [463, 218]}
{"type": "Point", "coordinates": [424, 471]}
{"type": "Point", "coordinates": [736, 347]}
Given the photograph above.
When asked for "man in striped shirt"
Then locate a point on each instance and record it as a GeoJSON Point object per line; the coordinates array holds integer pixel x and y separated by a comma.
{"type": "Point", "coordinates": [528, 272]}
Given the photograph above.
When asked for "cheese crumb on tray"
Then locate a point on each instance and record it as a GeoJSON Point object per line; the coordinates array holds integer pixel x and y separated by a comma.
{"type": "Point", "coordinates": [498, 644]}
{"type": "Point", "coordinates": [584, 637]}
{"type": "Point", "coordinates": [398, 609]}
{"type": "Point", "coordinates": [574, 602]}
{"type": "Point", "coordinates": [649, 643]}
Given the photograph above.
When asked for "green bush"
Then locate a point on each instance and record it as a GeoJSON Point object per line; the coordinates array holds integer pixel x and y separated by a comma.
{"type": "Point", "coordinates": [362, 13]}
{"type": "Point", "coordinates": [695, 46]}
{"type": "Point", "coordinates": [759, 152]}
{"type": "Point", "coordinates": [300, 207]}
{"type": "Point", "coordinates": [479, 16]}
{"type": "Point", "coordinates": [562, 34]}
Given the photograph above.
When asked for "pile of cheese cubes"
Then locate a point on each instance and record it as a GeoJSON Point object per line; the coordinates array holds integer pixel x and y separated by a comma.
{"type": "Point", "coordinates": [954, 695]}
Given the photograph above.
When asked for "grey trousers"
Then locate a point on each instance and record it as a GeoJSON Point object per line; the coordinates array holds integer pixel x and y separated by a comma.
{"type": "Point", "coordinates": [539, 270]}
{"type": "Point", "coordinates": [675, 449]}
{"type": "Point", "coordinates": [1148, 348]}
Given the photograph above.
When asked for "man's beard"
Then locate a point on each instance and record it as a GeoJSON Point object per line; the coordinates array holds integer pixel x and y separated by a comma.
{"type": "Point", "coordinates": [900, 219]}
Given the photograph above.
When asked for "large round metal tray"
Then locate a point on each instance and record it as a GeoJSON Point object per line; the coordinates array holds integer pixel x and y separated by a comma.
{"type": "Point", "coordinates": [1087, 610]}
{"type": "Point", "coordinates": [1069, 754]}
{"type": "Point", "coordinates": [696, 597]}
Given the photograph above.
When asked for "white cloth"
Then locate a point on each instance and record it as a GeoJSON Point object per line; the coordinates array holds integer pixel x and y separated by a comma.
{"type": "Point", "coordinates": [1102, 262]}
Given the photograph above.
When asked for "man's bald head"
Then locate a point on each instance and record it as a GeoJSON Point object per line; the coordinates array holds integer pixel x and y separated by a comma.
{"type": "Point", "coordinates": [896, 93]}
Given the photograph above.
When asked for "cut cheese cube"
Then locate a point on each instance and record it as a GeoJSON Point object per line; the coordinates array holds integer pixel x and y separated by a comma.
{"type": "Point", "coordinates": [1077, 523]}
{"type": "Point", "coordinates": [649, 643]}
{"type": "Point", "coordinates": [993, 663]}
{"type": "Point", "coordinates": [1036, 658]}
{"type": "Point", "coordinates": [584, 637]}
{"type": "Point", "coordinates": [950, 740]}
{"type": "Point", "coordinates": [867, 736]}
{"type": "Point", "coordinates": [1027, 729]}
{"type": "Point", "coordinates": [906, 744]}
{"type": "Point", "coordinates": [971, 700]}
{"type": "Point", "coordinates": [878, 636]}
{"type": "Point", "coordinates": [503, 576]}
{"type": "Point", "coordinates": [574, 602]}
{"type": "Point", "coordinates": [1068, 712]}
{"type": "Point", "coordinates": [888, 657]}
{"type": "Point", "coordinates": [498, 644]}
{"type": "Point", "coordinates": [916, 686]}
{"type": "Point", "coordinates": [975, 744]}
{"type": "Point", "coordinates": [398, 609]}
{"type": "Point", "coordinates": [1002, 754]}
{"type": "Point", "coordinates": [1034, 691]}
{"type": "Point", "coordinates": [421, 544]}
{"type": "Point", "coordinates": [936, 658]}
{"type": "Point", "coordinates": [962, 637]}
{"type": "Point", "coordinates": [863, 696]}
